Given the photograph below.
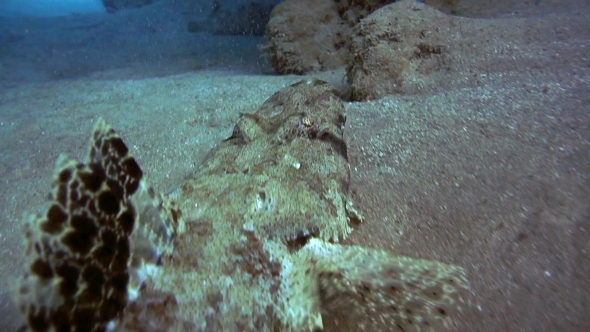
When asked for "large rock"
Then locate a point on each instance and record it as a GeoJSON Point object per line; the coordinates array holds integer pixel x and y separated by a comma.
{"type": "Point", "coordinates": [310, 35]}
{"type": "Point", "coordinates": [411, 48]}
{"type": "Point", "coordinates": [397, 48]}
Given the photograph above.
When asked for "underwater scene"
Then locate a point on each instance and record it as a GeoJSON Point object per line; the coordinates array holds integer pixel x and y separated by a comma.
{"type": "Point", "coordinates": [295, 165]}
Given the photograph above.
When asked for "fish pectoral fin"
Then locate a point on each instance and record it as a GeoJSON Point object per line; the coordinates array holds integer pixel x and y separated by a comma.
{"type": "Point", "coordinates": [379, 291]}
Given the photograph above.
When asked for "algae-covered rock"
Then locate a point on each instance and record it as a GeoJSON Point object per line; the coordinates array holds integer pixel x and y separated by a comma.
{"type": "Point", "coordinates": [398, 47]}
{"type": "Point", "coordinates": [301, 40]}
{"type": "Point", "coordinates": [248, 243]}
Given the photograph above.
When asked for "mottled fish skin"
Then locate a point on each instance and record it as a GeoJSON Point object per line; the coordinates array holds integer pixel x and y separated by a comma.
{"type": "Point", "coordinates": [248, 243]}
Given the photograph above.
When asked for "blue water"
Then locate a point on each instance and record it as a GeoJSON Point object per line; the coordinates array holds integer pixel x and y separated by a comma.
{"type": "Point", "coordinates": [150, 41]}
{"type": "Point", "coordinates": [44, 8]}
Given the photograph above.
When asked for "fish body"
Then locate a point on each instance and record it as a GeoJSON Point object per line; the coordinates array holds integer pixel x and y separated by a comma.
{"type": "Point", "coordinates": [248, 243]}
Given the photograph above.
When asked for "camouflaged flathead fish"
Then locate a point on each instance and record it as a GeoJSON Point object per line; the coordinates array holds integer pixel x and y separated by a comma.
{"type": "Point", "coordinates": [249, 243]}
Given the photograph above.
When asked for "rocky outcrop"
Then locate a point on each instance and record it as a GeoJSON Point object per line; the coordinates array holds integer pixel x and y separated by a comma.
{"type": "Point", "coordinates": [398, 46]}
{"type": "Point", "coordinates": [410, 47]}
{"type": "Point", "coordinates": [301, 43]}
{"type": "Point", "coordinates": [310, 35]}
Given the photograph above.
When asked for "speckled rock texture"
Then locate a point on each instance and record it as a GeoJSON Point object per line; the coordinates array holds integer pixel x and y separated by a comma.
{"type": "Point", "coordinates": [301, 40]}
{"type": "Point", "coordinates": [410, 47]}
{"type": "Point", "coordinates": [310, 35]}
{"type": "Point", "coordinates": [397, 46]}
{"type": "Point", "coordinates": [248, 243]}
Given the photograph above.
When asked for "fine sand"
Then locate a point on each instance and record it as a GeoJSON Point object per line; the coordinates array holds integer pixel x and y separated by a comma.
{"type": "Point", "coordinates": [489, 170]}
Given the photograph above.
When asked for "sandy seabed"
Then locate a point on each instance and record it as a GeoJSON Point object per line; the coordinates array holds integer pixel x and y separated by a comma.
{"type": "Point", "coordinates": [489, 170]}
